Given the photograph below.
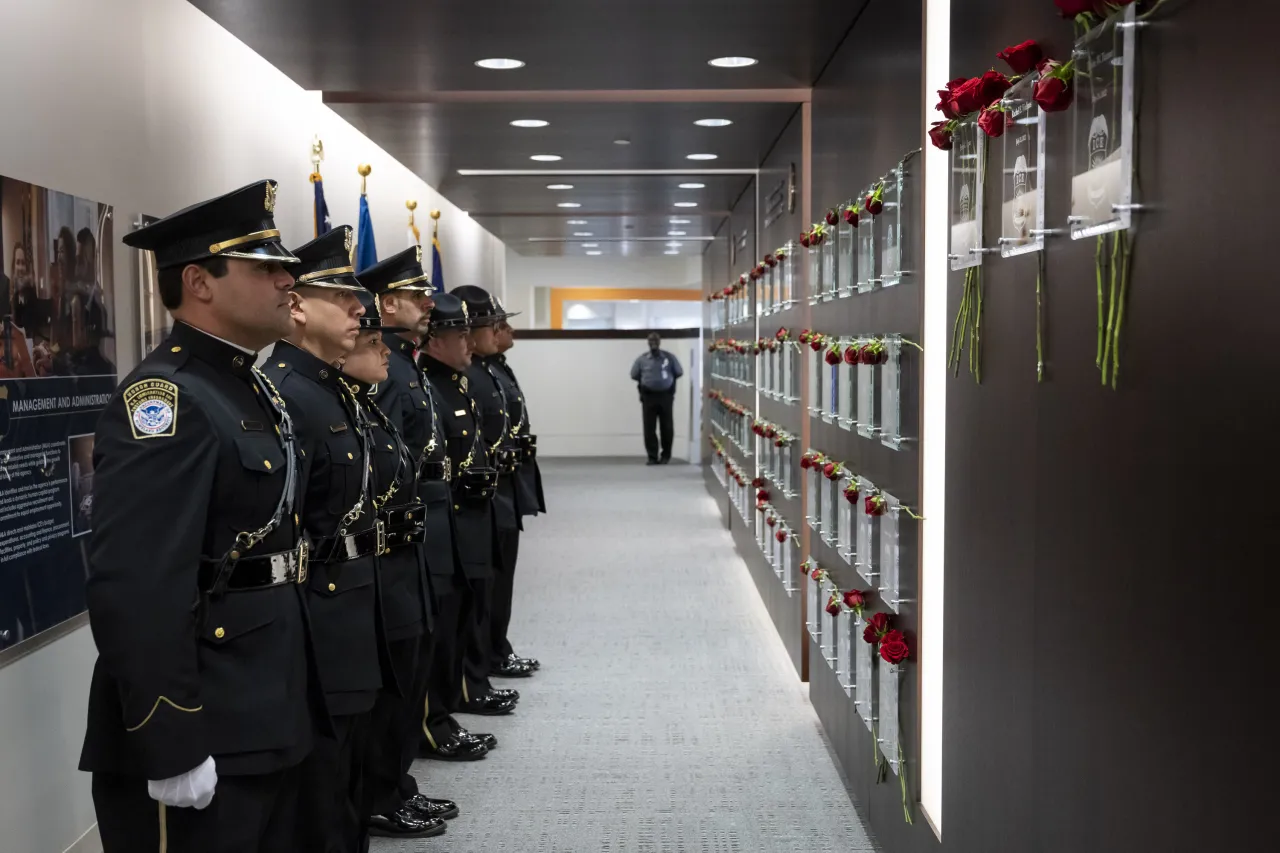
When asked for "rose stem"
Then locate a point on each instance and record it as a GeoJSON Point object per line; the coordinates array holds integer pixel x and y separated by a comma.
{"type": "Point", "coordinates": [977, 329]}
{"type": "Point", "coordinates": [1112, 291]}
{"type": "Point", "coordinates": [1039, 317]}
{"type": "Point", "coordinates": [963, 317]}
{"type": "Point", "coordinates": [1124, 293]}
{"type": "Point", "coordinates": [952, 352]}
{"type": "Point", "coordinates": [1097, 268]}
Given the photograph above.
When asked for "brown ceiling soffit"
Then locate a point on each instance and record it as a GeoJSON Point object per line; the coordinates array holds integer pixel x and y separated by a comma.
{"type": "Point", "coordinates": [577, 96]}
{"type": "Point", "coordinates": [602, 334]}
{"type": "Point", "coordinates": [542, 214]}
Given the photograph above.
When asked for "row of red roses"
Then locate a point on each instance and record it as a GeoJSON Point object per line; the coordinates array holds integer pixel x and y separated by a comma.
{"type": "Point", "coordinates": [872, 504]}
{"type": "Point", "coordinates": [728, 403]}
{"type": "Point", "coordinates": [851, 212]}
{"type": "Point", "coordinates": [893, 647]}
{"type": "Point", "coordinates": [870, 352]}
{"type": "Point", "coordinates": [765, 429]}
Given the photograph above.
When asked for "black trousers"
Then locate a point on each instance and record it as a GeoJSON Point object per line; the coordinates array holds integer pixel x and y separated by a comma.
{"type": "Point", "coordinates": [332, 796]}
{"type": "Point", "coordinates": [443, 693]}
{"type": "Point", "coordinates": [249, 814]}
{"type": "Point", "coordinates": [503, 592]}
{"type": "Point", "coordinates": [476, 657]}
{"type": "Point", "coordinates": [394, 733]}
{"type": "Point", "coordinates": [657, 407]}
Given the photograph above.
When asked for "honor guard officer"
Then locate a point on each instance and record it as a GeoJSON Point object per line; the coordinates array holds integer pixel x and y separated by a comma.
{"type": "Point", "coordinates": [406, 601]}
{"type": "Point", "coordinates": [499, 435]}
{"type": "Point", "coordinates": [340, 521]}
{"type": "Point", "coordinates": [404, 295]}
{"type": "Point", "coordinates": [473, 484]}
{"type": "Point", "coordinates": [202, 698]}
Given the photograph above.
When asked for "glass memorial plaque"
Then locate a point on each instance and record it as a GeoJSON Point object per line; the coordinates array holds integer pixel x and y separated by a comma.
{"type": "Point", "coordinates": [846, 279]}
{"type": "Point", "coordinates": [863, 687]}
{"type": "Point", "coordinates": [1022, 209]}
{"type": "Point", "coordinates": [864, 533]}
{"type": "Point", "coordinates": [891, 393]}
{"type": "Point", "coordinates": [771, 550]}
{"type": "Point", "coordinates": [866, 253]}
{"type": "Point", "coordinates": [815, 372]}
{"type": "Point", "coordinates": [844, 524]}
{"type": "Point", "coordinates": [844, 394]}
{"type": "Point", "coordinates": [785, 462]}
{"type": "Point", "coordinates": [826, 521]}
{"type": "Point", "coordinates": [889, 591]}
{"type": "Point", "coordinates": [968, 150]}
{"type": "Point", "coordinates": [788, 570]}
{"type": "Point", "coordinates": [844, 651]}
{"type": "Point", "coordinates": [867, 400]}
{"type": "Point", "coordinates": [833, 392]}
{"type": "Point", "coordinates": [828, 626]}
{"type": "Point", "coordinates": [829, 270]}
{"type": "Point", "coordinates": [789, 277]}
{"type": "Point", "coordinates": [891, 229]}
{"type": "Point", "coordinates": [763, 286]}
{"type": "Point", "coordinates": [1102, 136]}
{"type": "Point", "coordinates": [887, 733]}
{"type": "Point", "coordinates": [811, 499]}
{"type": "Point", "coordinates": [789, 374]}
{"type": "Point", "coordinates": [815, 275]}
{"type": "Point", "coordinates": [814, 607]}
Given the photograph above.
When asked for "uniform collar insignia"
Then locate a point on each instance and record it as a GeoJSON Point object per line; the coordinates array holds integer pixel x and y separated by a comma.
{"type": "Point", "coordinates": [309, 365]}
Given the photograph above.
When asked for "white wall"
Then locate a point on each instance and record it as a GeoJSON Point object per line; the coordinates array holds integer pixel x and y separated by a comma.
{"type": "Point", "coordinates": [525, 273]}
{"type": "Point", "coordinates": [582, 401]}
{"type": "Point", "coordinates": [150, 106]}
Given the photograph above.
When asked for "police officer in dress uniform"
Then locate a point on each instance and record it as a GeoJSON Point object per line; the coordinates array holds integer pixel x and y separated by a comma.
{"type": "Point", "coordinates": [404, 296]}
{"type": "Point", "coordinates": [473, 485]}
{"type": "Point", "coordinates": [407, 605]}
{"type": "Point", "coordinates": [203, 702]}
{"type": "Point", "coordinates": [499, 429]}
{"type": "Point", "coordinates": [341, 523]}
{"type": "Point", "coordinates": [528, 485]}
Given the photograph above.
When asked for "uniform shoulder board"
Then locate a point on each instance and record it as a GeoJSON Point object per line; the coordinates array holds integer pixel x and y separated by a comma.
{"type": "Point", "coordinates": [153, 408]}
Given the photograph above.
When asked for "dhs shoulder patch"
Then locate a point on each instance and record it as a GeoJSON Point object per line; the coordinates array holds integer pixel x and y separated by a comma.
{"type": "Point", "coordinates": [153, 408]}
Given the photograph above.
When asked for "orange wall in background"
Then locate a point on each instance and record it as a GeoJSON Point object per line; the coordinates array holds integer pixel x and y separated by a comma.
{"type": "Point", "coordinates": [559, 295]}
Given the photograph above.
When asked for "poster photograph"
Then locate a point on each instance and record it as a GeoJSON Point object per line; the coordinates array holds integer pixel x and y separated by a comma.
{"type": "Point", "coordinates": [57, 371]}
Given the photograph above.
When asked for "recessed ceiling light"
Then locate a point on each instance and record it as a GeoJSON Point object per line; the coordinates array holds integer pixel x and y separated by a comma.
{"type": "Point", "coordinates": [686, 204]}
{"type": "Point", "coordinates": [568, 204]}
{"type": "Point", "coordinates": [701, 157]}
{"type": "Point", "coordinates": [622, 141]}
{"type": "Point", "coordinates": [713, 122]}
{"type": "Point", "coordinates": [732, 61]}
{"type": "Point", "coordinates": [590, 245]}
{"type": "Point", "coordinates": [546, 158]}
{"type": "Point", "coordinates": [529, 122]}
{"type": "Point", "coordinates": [693, 186]}
{"type": "Point", "coordinates": [583, 234]}
{"type": "Point", "coordinates": [595, 253]}
{"type": "Point", "coordinates": [576, 222]}
{"type": "Point", "coordinates": [500, 64]}
{"type": "Point", "coordinates": [676, 233]}
{"type": "Point", "coordinates": [559, 186]}
{"type": "Point", "coordinates": [681, 221]}
{"type": "Point", "coordinates": [671, 252]}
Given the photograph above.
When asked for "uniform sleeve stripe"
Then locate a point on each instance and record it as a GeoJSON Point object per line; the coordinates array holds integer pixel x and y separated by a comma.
{"type": "Point", "coordinates": [155, 707]}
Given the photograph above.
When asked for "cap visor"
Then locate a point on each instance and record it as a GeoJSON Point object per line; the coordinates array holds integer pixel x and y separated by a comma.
{"type": "Point", "coordinates": [344, 281]}
{"type": "Point", "coordinates": [268, 250]}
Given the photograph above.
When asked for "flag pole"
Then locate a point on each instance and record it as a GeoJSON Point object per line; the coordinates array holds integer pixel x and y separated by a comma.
{"type": "Point", "coordinates": [317, 157]}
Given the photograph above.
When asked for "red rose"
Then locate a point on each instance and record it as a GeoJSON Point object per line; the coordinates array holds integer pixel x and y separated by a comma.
{"type": "Point", "coordinates": [762, 495]}
{"type": "Point", "coordinates": [874, 205]}
{"type": "Point", "coordinates": [946, 98]}
{"type": "Point", "coordinates": [967, 97]}
{"type": "Point", "coordinates": [877, 627]}
{"type": "Point", "coordinates": [855, 598]}
{"type": "Point", "coordinates": [1053, 94]}
{"type": "Point", "coordinates": [806, 461]}
{"type": "Point", "coordinates": [831, 470]}
{"type": "Point", "coordinates": [993, 121]}
{"type": "Point", "coordinates": [894, 648]}
{"type": "Point", "coordinates": [770, 432]}
{"type": "Point", "coordinates": [850, 354]}
{"type": "Point", "coordinates": [832, 217]}
{"type": "Point", "coordinates": [804, 240]}
{"type": "Point", "coordinates": [758, 482]}
{"type": "Point", "coordinates": [873, 505]}
{"type": "Point", "coordinates": [781, 334]}
{"type": "Point", "coordinates": [940, 135]}
{"type": "Point", "coordinates": [851, 493]}
{"type": "Point", "coordinates": [1022, 57]}
{"type": "Point", "coordinates": [994, 85]}
{"type": "Point", "coordinates": [782, 256]}
{"type": "Point", "coordinates": [817, 574]}
{"type": "Point", "coordinates": [833, 357]}
{"type": "Point", "coordinates": [851, 215]}
{"type": "Point", "coordinates": [771, 521]}
{"type": "Point", "coordinates": [771, 260]}
{"type": "Point", "coordinates": [781, 536]}
{"type": "Point", "coordinates": [728, 291]}
{"type": "Point", "coordinates": [761, 506]}
{"type": "Point", "coordinates": [815, 343]}
{"type": "Point", "coordinates": [833, 604]}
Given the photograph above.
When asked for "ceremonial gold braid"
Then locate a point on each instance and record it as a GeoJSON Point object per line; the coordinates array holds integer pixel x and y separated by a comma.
{"type": "Point", "coordinates": [357, 510]}
{"type": "Point", "coordinates": [402, 453]}
{"type": "Point", "coordinates": [248, 540]}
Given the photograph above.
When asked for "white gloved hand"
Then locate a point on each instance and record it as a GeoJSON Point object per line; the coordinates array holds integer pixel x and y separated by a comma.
{"type": "Point", "coordinates": [191, 789]}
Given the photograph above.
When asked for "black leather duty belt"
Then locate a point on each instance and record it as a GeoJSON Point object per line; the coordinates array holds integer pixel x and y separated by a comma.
{"type": "Point", "coordinates": [434, 471]}
{"type": "Point", "coordinates": [403, 525]}
{"type": "Point", "coordinates": [259, 571]}
{"type": "Point", "coordinates": [353, 546]}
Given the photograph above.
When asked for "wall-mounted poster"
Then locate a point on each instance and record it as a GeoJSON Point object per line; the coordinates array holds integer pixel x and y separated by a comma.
{"type": "Point", "coordinates": [57, 371]}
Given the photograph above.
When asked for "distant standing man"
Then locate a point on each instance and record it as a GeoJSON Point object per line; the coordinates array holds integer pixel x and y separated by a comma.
{"type": "Point", "coordinates": [655, 373]}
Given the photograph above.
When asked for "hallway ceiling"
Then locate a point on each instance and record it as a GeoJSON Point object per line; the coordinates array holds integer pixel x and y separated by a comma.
{"type": "Point", "coordinates": [404, 73]}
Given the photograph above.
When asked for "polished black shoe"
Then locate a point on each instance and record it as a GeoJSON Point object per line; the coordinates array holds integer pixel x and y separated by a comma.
{"type": "Point", "coordinates": [532, 663]}
{"type": "Point", "coordinates": [505, 693]}
{"type": "Point", "coordinates": [405, 822]}
{"type": "Point", "coordinates": [666, 460]}
{"type": "Point", "coordinates": [511, 669]}
{"type": "Point", "coordinates": [490, 741]}
{"type": "Point", "coordinates": [489, 706]}
{"type": "Point", "coordinates": [455, 749]}
{"type": "Point", "coordinates": [429, 809]}
{"type": "Point", "coordinates": [652, 462]}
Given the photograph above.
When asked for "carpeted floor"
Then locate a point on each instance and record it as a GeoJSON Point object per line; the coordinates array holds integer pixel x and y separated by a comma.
{"type": "Point", "coordinates": [666, 717]}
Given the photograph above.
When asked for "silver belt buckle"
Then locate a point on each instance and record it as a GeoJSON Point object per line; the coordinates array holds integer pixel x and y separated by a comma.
{"type": "Point", "coordinates": [382, 538]}
{"type": "Point", "coordinates": [303, 554]}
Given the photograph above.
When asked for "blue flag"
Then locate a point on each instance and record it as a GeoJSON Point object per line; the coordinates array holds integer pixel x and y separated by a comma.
{"type": "Point", "coordinates": [323, 224]}
{"type": "Point", "coordinates": [366, 250]}
{"type": "Point", "coordinates": [437, 268]}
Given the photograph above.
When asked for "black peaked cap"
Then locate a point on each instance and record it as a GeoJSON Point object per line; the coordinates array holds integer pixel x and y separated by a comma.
{"type": "Point", "coordinates": [449, 312]}
{"type": "Point", "coordinates": [400, 272]}
{"type": "Point", "coordinates": [326, 262]}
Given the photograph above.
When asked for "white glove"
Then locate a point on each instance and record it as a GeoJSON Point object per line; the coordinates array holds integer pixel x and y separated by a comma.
{"type": "Point", "coordinates": [192, 789]}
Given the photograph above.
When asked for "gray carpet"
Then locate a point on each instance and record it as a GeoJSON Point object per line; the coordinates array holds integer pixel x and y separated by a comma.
{"type": "Point", "coordinates": [666, 717]}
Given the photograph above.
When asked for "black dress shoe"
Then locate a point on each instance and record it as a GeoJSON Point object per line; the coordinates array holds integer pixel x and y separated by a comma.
{"type": "Point", "coordinates": [455, 749]}
{"type": "Point", "coordinates": [666, 460]}
{"type": "Point", "coordinates": [405, 823]}
{"type": "Point", "coordinates": [489, 706]}
{"type": "Point", "coordinates": [490, 741]}
{"type": "Point", "coordinates": [506, 693]}
{"type": "Point", "coordinates": [652, 462]}
{"type": "Point", "coordinates": [511, 669]}
{"type": "Point", "coordinates": [429, 809]}
{"type": "Point", "coordinates": [532, 663]}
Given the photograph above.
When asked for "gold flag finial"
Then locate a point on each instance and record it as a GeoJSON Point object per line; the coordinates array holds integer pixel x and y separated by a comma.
{"type": "Point", "coordinates": [317, 157]}
{"type": "Point", "coordinates": [435, 224]}
{"type": "Point", "coordinates": [364, 169]}
{"type": "Point", "coordinates": [412, 204]}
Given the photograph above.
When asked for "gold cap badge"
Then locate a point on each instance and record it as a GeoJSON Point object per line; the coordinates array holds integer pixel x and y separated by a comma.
{"type": "Point", "coordinates": [270, 203]}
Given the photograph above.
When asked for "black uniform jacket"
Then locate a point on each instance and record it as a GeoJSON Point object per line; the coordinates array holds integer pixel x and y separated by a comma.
{"type": "Point", "coordinates": [406, 591]}
{"type": "Point", "coordinates": [461, 420]}
{"type": "Point", "coordinates": [495, 425]}
{"type": "Point", "coordinates": [528, 476]}
{"type": "Point", "coordinates": [188, 454]}
{"type": "Point", "coordinates": [342, 593]}
{"type": "Point", "coordinates": [408, 402]}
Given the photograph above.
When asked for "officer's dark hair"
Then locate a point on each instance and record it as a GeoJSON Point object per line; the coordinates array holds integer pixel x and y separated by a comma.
{"type": "Point", "coordinates": [170, 280]}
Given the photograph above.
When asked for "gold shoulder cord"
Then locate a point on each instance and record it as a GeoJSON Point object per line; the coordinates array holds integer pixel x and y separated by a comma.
{"type": "Point", "coordinates": [245, 540]}
{"type": "Point", "coordinates": [506, 405]}
{"type": "Point", "coordinates": [431, 404]}
{"type": "Point", "coordinates": [363, 426]}
{"type": "Point", "coordinates": [402, 452]}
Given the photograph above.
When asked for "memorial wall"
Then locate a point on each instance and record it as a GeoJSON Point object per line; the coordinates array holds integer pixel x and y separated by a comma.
{"type": "Point", "coordinates": [1107, 409]}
